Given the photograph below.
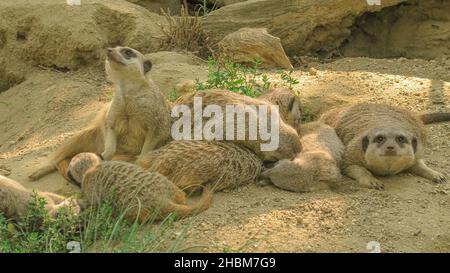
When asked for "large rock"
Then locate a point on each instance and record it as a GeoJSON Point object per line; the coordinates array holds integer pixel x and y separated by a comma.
{"type": "Point", "coordinates": [303, 26]}
{"type": "Point", "coordinates": [171, 68]}
{"type": "Point", "coordinates": [248, 44]}
{"type": "Point", "coordinates": [417, 30]}
{"type": "Point", "coordinates": [50, 33]}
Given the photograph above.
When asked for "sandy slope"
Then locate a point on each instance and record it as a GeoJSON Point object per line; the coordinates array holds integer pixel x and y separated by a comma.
{"type": "Point", "coordinates": [411, 214]}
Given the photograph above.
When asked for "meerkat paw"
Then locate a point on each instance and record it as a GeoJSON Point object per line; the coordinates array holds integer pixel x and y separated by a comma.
{"type": "Point", "coordinates": [106, 156]}
{"type": "Point", "coordinates": [438, 177]}
{"type": "Point", "coordinates": [373, 183]}
{"type": "Point", "coordinates": [421, 169]}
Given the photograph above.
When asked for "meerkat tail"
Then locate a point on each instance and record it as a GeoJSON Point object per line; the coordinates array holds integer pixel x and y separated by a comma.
{"type": "Point", "coordinates": [435, 117]}
{"type": "Point", "coordinates": [182, 210]}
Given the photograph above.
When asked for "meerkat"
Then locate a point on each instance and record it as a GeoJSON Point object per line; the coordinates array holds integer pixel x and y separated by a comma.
{"type": "Point", "coordinates": [288, 140]}
{"type": "Point", "coordinates": [314, 168]}
{"type": "Point", "coordinates": [190, 163]}
{"type": "Point", "coordinates": [139, 194]}
{"type": "Point", "coordinates": [135, 122]}
{"type": "Point", "coordinates": [290, 107]}
{"type": "Point", "coordinates": [382, 140]}
{"type": "Point", "coordinates": [15, 199]}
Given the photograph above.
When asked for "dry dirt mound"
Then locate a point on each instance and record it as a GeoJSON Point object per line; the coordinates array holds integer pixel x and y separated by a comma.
{"type": "Point", "coordinates": [52, 34]}
{"type": "Point", "coordinates": [170, 68]}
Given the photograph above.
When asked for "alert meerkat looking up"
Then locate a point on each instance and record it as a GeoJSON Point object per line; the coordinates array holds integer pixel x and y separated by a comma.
{"type": "Point", "coordinates": [316, 166]}
{"type": "Point", "coordinates": [15, 199]}
{"type": "Point", "coordinates": [382, 140]}
{"type": "Point", "coordinates": [288, 140]}
{"type": "Point", "coordinates": [139, 194]}
{"type": "Point", "coordinates": [190, 163]}
{"type": "Point", "coordinates": [135, 122]}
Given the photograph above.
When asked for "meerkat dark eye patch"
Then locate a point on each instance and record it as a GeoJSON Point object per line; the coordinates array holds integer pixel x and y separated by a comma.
{"type": "Point", "coordinates": [147, 66]}
{"type": "Point", "coordinates": [401, 140]}
{"type": "Point", "coordinates": [379, 139]}
{"type": "Point", "coordinates": [414, 144]}
{"type": "Point", "coordinates": [128, 53]}
{"type": "Point", "coordinates": [71, 179]}
{"type": "Point", "coordinates": [365, 143]}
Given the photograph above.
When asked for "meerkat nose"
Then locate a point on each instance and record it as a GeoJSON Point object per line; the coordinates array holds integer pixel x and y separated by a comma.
{"type": "Point", "coordinates": [390, 148]}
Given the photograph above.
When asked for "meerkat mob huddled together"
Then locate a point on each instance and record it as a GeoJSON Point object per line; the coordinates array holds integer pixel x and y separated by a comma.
{"type": "Point", "coordinates": [128, 151]}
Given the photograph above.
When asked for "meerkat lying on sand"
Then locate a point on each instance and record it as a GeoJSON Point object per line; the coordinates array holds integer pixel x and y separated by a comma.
{"type": "Point", "coordinates": [287, 137]}
{"type": "Point", "coordinates": [314, 167]}
{"type": "Point", "coordinates": [15, 199]}
{"type": "Point", "coordinates": [135, 122]}
{"type": "Point", "coordinates": [382, 140]}
{"type": "Point", "coordinates": [190, 163]}
{"type": "Point", "coordinates": [290, 107]}
{"type": "Point", "coordinates": [139, 194]}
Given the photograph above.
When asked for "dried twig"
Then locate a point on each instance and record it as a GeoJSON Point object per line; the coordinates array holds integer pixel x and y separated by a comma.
{"type": "Point", "coordinates": [185, 32]}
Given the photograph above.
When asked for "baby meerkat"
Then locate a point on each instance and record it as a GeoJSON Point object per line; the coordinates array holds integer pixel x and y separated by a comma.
{"type": "Point", "coordinates": [15, 199]}
{"type": "Point", "coordinates": [287, 138]}
{"type": "Point", "coordinates": [141, 195]}
{"type": "Point", "coordinates": [290, 107]}
{"type": "Point", "coordinates": [190, 163]}
{"type": "Point", "coordinates": [382, 140]}
{"type": "Point", "coordinates": [313, 168]}
{"type": "Point", "coordinates": [135, 122]}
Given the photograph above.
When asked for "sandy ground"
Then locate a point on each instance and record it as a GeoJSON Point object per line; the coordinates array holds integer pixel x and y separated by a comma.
{"type": "Point", "coordinates": [411, 214]}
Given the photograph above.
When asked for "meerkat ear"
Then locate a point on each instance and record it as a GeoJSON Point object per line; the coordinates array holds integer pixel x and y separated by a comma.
{"type": "Point", "coordinates": [147, 66]}
{"type": "Point", "coordinates": [414, 144]}
{"type": "Point", "coordinates": [365, 143]}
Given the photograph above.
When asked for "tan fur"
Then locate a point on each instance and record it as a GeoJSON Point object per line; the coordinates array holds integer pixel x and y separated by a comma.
{"type": "Point", "coordinates": [139, 194]}
{"type": "Point", "coordinates": [289, 141]}
{"type": "Point", "coordinates": [15, 199]}
{"type": "Point", "coordinates": [363, 123]}
{"type": "Point", "coordinates": [191, 163]}
{"type": "Point", "coordinates": [290, 106]}
{"type": "Point", "coordinates": [135, 122]}
{"type": "Point", "coordinates": [313, 168]}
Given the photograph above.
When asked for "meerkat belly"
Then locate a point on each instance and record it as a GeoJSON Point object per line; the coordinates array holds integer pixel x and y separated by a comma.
{"type": "Point", "coordinates": [388, 166]}
{"type": "Point", "coordinates": [131, 134]}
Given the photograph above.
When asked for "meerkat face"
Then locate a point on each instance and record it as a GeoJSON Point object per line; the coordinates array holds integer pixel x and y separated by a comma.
{"type": "Point", "coordinates": [289, 146]}
{"type": "Point", "coordinates": [125, 63]}
{"type": "Point", "coordinates": [389, 151]}
{"type": "Point", "coordinates": [80, 165]}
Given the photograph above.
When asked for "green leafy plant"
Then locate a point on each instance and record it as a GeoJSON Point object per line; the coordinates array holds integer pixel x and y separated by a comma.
{"type": "Point", "coordinates": [95, 229]}
{"type": "Point", "coordinates": [235, 77]}
{"type": "Point", "coordinates": [288, 79]}
{"type": "Point", "coordinates": [173, 96]}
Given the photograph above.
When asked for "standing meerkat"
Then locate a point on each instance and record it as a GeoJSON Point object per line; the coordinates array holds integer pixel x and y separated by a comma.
{"type": "Point", "coordinates": [15, 199]}
{"type": "Point", "coordinates": [316, 166]}
{"type": "Point", "coordinates": [190, 163]}
{"type": "Point", "coordinates": [382, 140]}
{"type": "Point", "coordinates": [288, 140]}
{"type": "Point", "coordinates": [290, 107]}
{"type": "Point", "coordinates": [135, 122]}
{"type": "Point", "coordinates": [141, 195]}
